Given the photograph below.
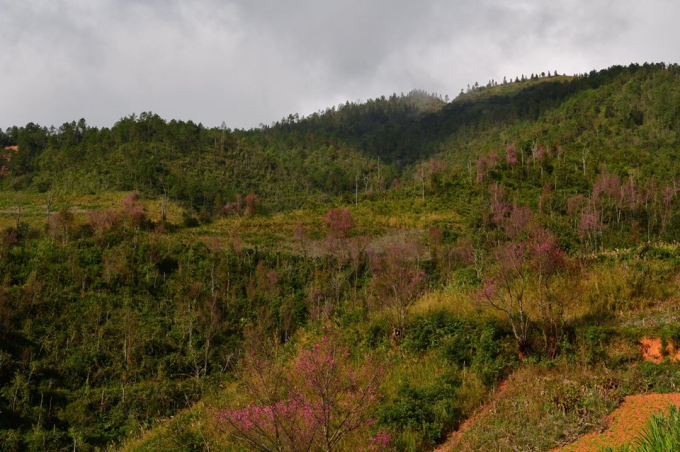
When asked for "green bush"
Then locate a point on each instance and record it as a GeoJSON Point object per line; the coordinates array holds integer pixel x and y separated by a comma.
{"type": "Point", "coordinates": [488, 362]}
{"type": "Point", "coordinates": [427, 332]}
{"type": "Point", "coordinates": [430, 410]}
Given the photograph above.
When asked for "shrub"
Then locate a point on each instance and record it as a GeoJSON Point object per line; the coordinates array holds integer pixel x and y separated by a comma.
{"type": "Point", "coordinates": [430, 410]}
{"type": "Point", "coordinates": [488, 362]}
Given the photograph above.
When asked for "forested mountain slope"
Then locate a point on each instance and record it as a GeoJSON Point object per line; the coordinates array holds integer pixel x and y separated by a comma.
{"type": "Point", "coordinates": [297, 161]}
{"type": "Point", "coordinates": [144, 266]}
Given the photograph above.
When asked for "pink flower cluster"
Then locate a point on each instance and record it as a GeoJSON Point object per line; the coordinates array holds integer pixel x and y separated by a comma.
{"type": "Point", "coordinates": [311, 405]}
{"type": "Point", "coordinates": [380, 442]}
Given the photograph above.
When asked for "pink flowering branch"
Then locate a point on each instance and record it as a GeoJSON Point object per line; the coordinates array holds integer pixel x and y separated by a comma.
{"type": "Point", "coordinates": [313, 404]}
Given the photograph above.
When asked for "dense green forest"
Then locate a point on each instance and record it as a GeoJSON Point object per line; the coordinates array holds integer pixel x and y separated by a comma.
{"type": "Point", "coordinates": [524, 232]}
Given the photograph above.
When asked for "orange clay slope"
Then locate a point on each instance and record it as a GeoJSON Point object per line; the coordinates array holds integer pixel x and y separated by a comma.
{"type": "Point", "coordinates": [651, 348]}
{"type": "Point", "coordinates": [625, 423]}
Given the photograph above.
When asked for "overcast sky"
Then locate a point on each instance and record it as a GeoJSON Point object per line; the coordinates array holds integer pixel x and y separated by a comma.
{"type": "Point", "coordinates": [247, 62]}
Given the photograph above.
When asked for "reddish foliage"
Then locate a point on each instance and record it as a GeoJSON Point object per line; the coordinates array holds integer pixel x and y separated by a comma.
{"type": "Point", "coordinates": [589, 223]}
{"type": "Point", "coordinates": [266, 278]}
{"type": "Point", "coordinates": [130, 200]}
{"type": "Point", "coordinates": [133, 209]}
{"type": "Point", "coordinates": [547, 258]}
{"type": "Point", "coordinates": [436, 236]}
{"type": "Point", "coordinates": [513, 218]}
{"type": "Point", "coordinates": [511, 155]}
{"type": "Point", "coordinates": [485, 164]}
{"type": "Point", "coordinates": [397, 279]}
{"type": "Point", "coordinates": [668, 195]}
{"type": "Point", "coordinates": [518, 220]}
{"type": "Point", "coordinates": [537, 263]}
{"type": "Point", "coordinates": [396, 183]}
{"type": "Point", "coordinates": [61, 223]}
{"type": "Point", "coordinates": [436, 166]}
{"type": "Point", "coordinates": [464, 251]}
{"type": "Point", "coordinates": [339, 221]}
{"type": "Point", "coordinates": [499, 208]}
{"type": "Point", "coordinates": [137, 215]}
{"type": "Point", "coordinates": [575, 204]}
{"type": "Point", "coordinates": [631, 197]}
{"type": "Point", "coordinates": [380, 442]}
{"type": "Point", "coordinates": [540, 153]}
{"type": "Point", "coordinates": [251, 201]}
{"type": "Point", "coordinates": [103, 221]}
{"type": "Point", "coordinates": [234, 207]}
{"type": "Point", "coordinates": [300, 231]}
{"type": "Point", "coordinates": [607, 185]}
{"type": "Point", "coordinates": [511, 257]}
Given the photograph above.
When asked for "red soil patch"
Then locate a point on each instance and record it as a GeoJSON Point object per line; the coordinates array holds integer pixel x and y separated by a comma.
{"type": "Point", "coordinates": [651, 348]}
{"type": "Point", "coordinates": [625, 423]}
{"type": "Point", "coordinates": [454, 438]}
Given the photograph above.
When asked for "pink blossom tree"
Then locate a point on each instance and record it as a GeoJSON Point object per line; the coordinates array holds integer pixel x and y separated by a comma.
{"type": "Point", "coordinates": [251, 200]}
{"type": "Point", "coordinates": [485, 164]}
{"type": "Point", "coordinates": [512, 218]}
{"type": "Point", "coordinates": [312, 404]}
{"type": "Point", "coordinates": [499, 206]}
{"type": "Point", "coordinates": [518, 220]}
{"type": "Point", "coordinates": [397, 280]}
{"type": "Point", "coordinates": [590, 225]}
{"type": "Point", "coordinates": [532, 281]}
{"type": "Point", "coordinates": [436, 169]}
{"type": "Point", "coordinates": [669, 194]}
{"type": "Point", "coordinates": [505, 289]}
{"type": "Point", "coordinates": [134, 210]}
{"type": "Point", "coordinates": [60, 225]}
{"type": "Point", "coordinates": [345, 251]}
{"type": "Point", "coordinates": [511, 155]}
{"type": "Point", "coordinates": [556, 286]}
{"type": "Point", "coordinates": [339, 221]}
{"type": "Point", "coordinates": [235, 207]}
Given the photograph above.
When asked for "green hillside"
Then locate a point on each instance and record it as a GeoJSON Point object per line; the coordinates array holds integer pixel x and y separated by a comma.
{"type": "Point", "coordinates": [170, 286]}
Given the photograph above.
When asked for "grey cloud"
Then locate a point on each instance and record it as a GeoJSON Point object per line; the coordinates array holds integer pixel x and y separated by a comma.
{"type": "Point", "coordinates": [252, 61]}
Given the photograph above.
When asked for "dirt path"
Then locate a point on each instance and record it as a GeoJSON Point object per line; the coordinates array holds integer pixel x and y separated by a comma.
{"type": "Point", "coordinates": [625, 423]}
{"type": "Point", "coordinates": [454, 438]}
